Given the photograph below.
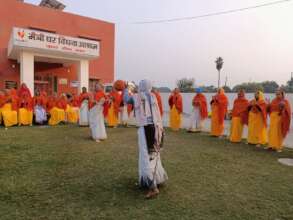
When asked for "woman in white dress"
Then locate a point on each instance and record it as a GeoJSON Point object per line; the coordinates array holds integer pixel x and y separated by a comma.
{"type": "Point", "coordinates": [40, 108]}
{"type": "Point", "coordinates": [96, 115]}
{"type": "Point", "coordinates": [199, 112]}
{"type": "Point", "coordinates": [150, 137]}
{"type": "Point", "coordinates": [84, 107]}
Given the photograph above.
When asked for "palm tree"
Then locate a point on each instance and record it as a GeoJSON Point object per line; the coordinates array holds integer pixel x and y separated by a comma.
{"type": "Point", "coordinates": [219, 65]}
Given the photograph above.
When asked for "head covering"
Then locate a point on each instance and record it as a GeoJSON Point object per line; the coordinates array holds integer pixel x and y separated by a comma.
{"type": "Point", "coordinates": [261, 96]}
{"type": "Point", "coordinates": [145, 86]}
{"type": "Point", "coordinates": [221, 91]}
{"type": "Point", "coordinates": [198, 90]}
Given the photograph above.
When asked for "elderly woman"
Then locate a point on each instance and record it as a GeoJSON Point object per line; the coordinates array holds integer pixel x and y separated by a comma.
{"type": "Point", "coordinates": [150, 133]}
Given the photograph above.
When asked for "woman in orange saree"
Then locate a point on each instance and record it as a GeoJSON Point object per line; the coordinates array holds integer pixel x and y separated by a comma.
{"type": "Point", "coordinates": [115, 100]}
{"type": "Point", "coordinates": [25, 108]}
{"type": "Point", "coordinates": [56, 108]}
{"type": "Point", "coordinates": [219, 105]}
{"type": "Point", "coordinates": [280, 119]}
{"type": "Point", "coordinates": [257, 120]}
{"type": "Point", "coordinates": [176, 109]}
{"type": "Point", "coordinates": [10, 108]}
{"type": "Point", "coordinates": [239, 117]}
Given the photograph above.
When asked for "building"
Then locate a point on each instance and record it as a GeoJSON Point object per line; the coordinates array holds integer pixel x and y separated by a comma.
{"type": "Point", "coordinates": [52, 50]}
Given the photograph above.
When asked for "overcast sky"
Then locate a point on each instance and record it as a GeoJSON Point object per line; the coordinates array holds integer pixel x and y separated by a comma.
{"type": "Point", "coordinates": [256, 45]}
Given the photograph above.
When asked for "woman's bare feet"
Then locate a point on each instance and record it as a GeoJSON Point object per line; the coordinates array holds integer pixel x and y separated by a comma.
{"type": "Point", "coordinates": [152, 193]}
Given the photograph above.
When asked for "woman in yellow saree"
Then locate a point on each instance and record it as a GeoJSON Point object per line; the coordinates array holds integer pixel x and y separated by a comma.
{"type": "Point", "coordinates": [10, 108]}
{"type": "Point", "coordinates": [280, 119]}
{"type": "Point", "coordinates": [219, 105]}
{"type": "Point", "coordinates": [257, 120]}
{"type": "Point", "coordinates": [239, 117]}
{"type": "Point", "coordinates": [176, 108]}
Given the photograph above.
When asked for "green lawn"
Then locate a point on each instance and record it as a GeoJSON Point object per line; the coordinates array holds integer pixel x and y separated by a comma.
{"type": "Point", "coordinates": [59, 173]}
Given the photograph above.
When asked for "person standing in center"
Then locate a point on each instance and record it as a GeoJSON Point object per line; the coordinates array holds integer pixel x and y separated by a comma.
{"type": "Point", "coordinates": [239, 117]}
{"type": "Point", "coordinates": [219, 105]}
{"type": "Point", "coordinates": [257, 120]}
{"type": "Point", "coordinates": [96, 114]}
{"type": "Point", "coordinates": [176, 109]}
{"type": "Point", "coordinates": [199, 112]}
{"type": "Point", "coordinates": [150, 133]}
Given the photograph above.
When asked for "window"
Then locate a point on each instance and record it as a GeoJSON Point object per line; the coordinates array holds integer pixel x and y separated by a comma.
{"type": "Point", "coordinates": [10, 85]}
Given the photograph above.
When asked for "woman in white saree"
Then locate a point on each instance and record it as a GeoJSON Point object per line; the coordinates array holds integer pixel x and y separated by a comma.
{"type": "Point", "coordinates": [96, 115]}
{"type": "Point", "coordinates": [84, 108]}
{"type": "Point", "coordinates": [150, 134]}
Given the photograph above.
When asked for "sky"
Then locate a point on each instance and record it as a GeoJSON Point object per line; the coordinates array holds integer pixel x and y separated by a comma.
{"type": "Point", "coordinates": [256, 45]}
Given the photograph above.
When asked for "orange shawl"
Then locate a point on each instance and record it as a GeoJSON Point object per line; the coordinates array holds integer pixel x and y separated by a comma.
{"type": "Point", "coordinates": [83, 96]}
{"type": "Point", "coordinates": [26, 102]}
{"type": "Point", "coordinates": [40, 100]}
{"type": "Point", "coordinates": [176, 99]}
{"type": "Point", "coordinates": [24, 91]}
{"type": "Point", "coordinates": [62, 103]}
{"type": "Point", "coordinates": [13, 99]}
{"type": "Point", "coordinates": [116, 100]}
{"type": "Point", "coordinates": [75, 101]}
{"type": "Point", "coordinates": [51, 103]}
{"type": "Point", "coordinates": [240, 109]}
{"type": "Point", "coordinates": [283, 107]}
{"type": "Point", "coordinates": [159, 100]}
{"type": "Point", "coordinates": [200, 101]}
{"type": "Point", "coordinates": [2, 100]}
{"type": "Point", "coordinates": [97, 97]}
{"type": "Point", "coordinates": [221, 101]}
{"type": "Point", "coordinates": [261, 106]}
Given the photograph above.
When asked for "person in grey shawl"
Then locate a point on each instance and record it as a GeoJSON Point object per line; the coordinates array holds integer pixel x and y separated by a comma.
{"type": "Point", "coordinates": [150, 135]}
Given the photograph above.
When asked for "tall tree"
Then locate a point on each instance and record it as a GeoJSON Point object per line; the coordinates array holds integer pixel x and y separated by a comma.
{"type": "Point", "coordinates": [185, 85]}
{"type": "Point", "coordinates": [219, 65]}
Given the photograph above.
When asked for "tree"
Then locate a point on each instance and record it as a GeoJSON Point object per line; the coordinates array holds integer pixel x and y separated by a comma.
{"type": "Point", "coordinates": [185, 85]}
{"type": "Point", "coordinates": [289, 86]}
{"type": "Point", "coordinates": [164, 89]}
{"type": "Point", "coordinates": [270, 86]}
{"type": "Point", "coordinates": [227, 89]}
{"type": "Point", "coordinates": [208, 89]}
{"type": "Point", "coordinates": [250, 87]}
{"type": "Point", "coordinates": [219, 65]}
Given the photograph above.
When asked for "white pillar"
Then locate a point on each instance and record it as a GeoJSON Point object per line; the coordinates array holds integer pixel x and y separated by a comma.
{"type": "Point", "coordinates": [83, 74]}
{"type": "Point", "coordinates": [27, 69]}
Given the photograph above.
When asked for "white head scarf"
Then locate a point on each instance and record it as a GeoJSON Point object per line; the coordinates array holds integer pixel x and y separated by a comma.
{"type": "Point", "coordinates": [145, 86]}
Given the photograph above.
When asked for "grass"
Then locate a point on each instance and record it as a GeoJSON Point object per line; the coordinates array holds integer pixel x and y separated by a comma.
{"type": "Point", "coordinates": [59, 173]}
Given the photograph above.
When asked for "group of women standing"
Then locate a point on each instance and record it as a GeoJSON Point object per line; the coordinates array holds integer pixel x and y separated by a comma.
{"type": "Point", "coordinates": [254, 114]}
